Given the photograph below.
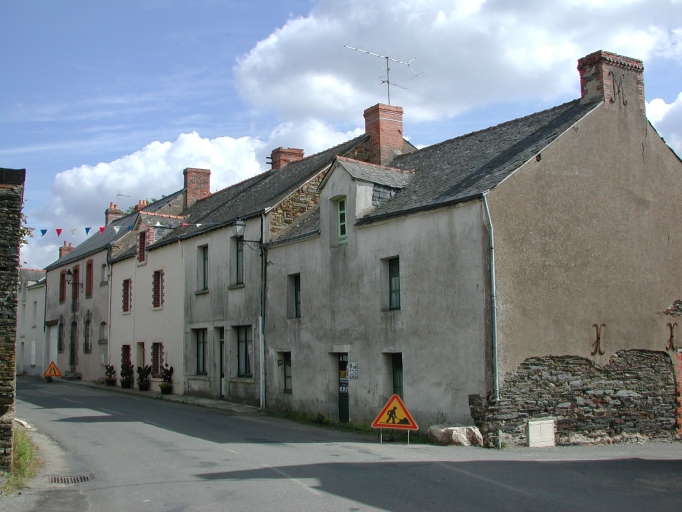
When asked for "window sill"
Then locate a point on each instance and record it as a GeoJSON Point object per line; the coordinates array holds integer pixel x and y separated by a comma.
{"type": "Point", "coordinates": [287, 391]}
{"type": "Point", "coordinates": [158, 308]}
{"type": "Point", "coordinates": [201, 292]}
{"type": "Point", "coordinates": [141, 263]}
{"type": "Point", "coordinates": [102, 342]}
{"type": "Point", "coordinates": [103, 283]}
{"type": "Point", "coordinates": [249, 380]}
{"type": "Point", "coordinates": [126, 312]}
{"type": "Point", "coordinates": [236, 286]}
{"type": "Point", "coordinates": [200, 376]}
{"type": "Point", "coordinates": [88, 296]}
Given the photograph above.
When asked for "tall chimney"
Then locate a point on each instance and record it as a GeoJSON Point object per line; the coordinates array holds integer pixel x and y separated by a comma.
{"type": "Point", "coordinates": [140, 204]}
{"type": "Point", "coordinates": [282, 156]}
{"type": "Point", "coordinates": [112, 213]}
{"type": "Point", "coordinates": [384, 125]}
{"type": "Point", "coordinates": [197, 185]}
{"type": "Point", "coordinates": [65, 249]}
{"type": "Point", "coordinates": [613, 79]}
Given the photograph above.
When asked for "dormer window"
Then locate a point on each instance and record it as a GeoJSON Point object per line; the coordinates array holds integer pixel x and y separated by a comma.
{"type": "Point", "coordinates": [342, 220]}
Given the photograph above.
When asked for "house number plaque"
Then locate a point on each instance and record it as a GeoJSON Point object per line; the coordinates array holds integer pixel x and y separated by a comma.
{"type": "Point", "coordinates": [352, 370]}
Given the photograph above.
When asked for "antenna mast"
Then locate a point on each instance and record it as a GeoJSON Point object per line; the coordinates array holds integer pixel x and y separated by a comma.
{"type": "Point", "coordinates": [387, 81]}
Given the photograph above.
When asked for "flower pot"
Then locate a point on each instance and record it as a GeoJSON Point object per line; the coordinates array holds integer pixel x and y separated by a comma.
{"type": "Point", "coordinates": [126, 384]}
{"type": "Point", "coordinates": [110, 382]}
{"type": "Point", "coordinates": [143, 386]}
{"type": "Point", "coordinates": [166, 390]}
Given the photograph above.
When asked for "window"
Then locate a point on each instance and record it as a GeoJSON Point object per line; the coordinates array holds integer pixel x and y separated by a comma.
{"type": "Point", "coordinates": [88, 278]}
{"type": "Point", "coordinates": [75, 288]}
{"type": "Point", "coordinates": [157, 359]}
{"type": "Point", "coordinates": [157, 289]}
{"type": "Point", "coordinates": [34, 317]}
{"type": "Point", "coordinates": [142, 246]}
{"type": "Point", "coordinates": [87, 337]}
{"type": "Point", "coordinates": [244, 352]}
{"type": "Point", "coordinates": [62, 286]}
{"type": "Point", "coordinates": [126, 355]}
{"type": "Point", "coordinates": [294, 296]}
{"type": "Point", "coordinates": [239, 260]}
{"type": "Point", "coordinates": [103, 333]}
{"type": "Point", "coordinates": [341, 220]}
{"type": "Point", "coordinates": [200, 335]}
{"type": "Point", "coordinates": [394, 283]}
{"type": "Point", "coordinates": [286, 363]}
{"type": "Point", "coordinates": [127, 296]}
{"type": "Point", "coordinates": [202, 268]}
{"type": "Point", "coordinates": [103, 275]}
{"type": "Point", "coordinates": [60, 338]}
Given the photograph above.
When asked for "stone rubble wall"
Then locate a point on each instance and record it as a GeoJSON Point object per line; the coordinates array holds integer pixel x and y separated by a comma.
{"type": "Point", "coordinates": [633, 397]}
{"type": "Point", "coordinates": [299, 202]}
{"type": "Point", "coordinates": [11, 198]}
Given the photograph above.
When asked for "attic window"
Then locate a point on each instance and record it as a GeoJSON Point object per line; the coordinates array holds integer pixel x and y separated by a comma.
{"type": "Point", "coordinates": [381, 193]}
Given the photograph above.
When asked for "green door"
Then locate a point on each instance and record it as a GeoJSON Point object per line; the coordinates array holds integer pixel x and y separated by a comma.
{"type": "Point", "coordinates": [344, 411]}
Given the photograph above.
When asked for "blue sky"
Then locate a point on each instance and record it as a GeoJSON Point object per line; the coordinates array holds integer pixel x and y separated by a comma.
{"type": "Point", "coordinates": [119, 96]}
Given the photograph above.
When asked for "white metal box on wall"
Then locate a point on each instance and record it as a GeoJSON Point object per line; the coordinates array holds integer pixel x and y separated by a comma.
{"type": "Point", "coordinates": [540, 433]}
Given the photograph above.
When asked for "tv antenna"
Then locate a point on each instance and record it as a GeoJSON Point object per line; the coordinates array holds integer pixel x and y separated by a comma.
{"type": "Point", "coordinates": [120, 195]}
{"type": "Point", "coordinates": [387, 80]}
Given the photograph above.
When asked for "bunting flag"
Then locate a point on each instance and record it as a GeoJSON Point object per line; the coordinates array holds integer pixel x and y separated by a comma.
{"type": "Point", "coordinates": [116, 228]}
{"type": "Point", "coordinates": [59, 231]}
{"type": "Point", "coordinates": [73, 232]}
{"type": "Point", "coordinates": [87, 230]}
{"type": "Point", "coordinates": [198, 225]}
{"type": "Point", "coordinates": [42, 232]}
{"type": "Point", "coordinates": [130, 228]}
{"type": "Point", "coordinates": [158, 224]}
{"type": "Point", "coordinates": [101, 229]}
{"type": "Point", "coordinates": [184, 224]}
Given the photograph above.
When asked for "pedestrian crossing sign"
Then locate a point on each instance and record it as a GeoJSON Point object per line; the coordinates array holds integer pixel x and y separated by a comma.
{"type": "Point", "coordinates": [52, 371]}
{"type": "Point", "coordinates": [395, 415]}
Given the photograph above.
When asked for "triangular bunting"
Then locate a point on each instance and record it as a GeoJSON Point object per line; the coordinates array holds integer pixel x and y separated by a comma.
{"type": "Point", "coordinates": [42, 232]}
{"type": "Point", "coordinates": [87, 230]}
{"type": "Point", "coordinates": [198, 225]}
{"type": "Point", "coordinates": [59, 231]}
{"type": "Point", "coordinates": [73, 232]}
{"type": "Point", "coordinates": [184, 224]}
{"type": "Point", "coordinates": [157, 223]}
{"type": "Point", "coordinates": [101, 229]}
{"type": "Point", "coordinates": [116, 228]}
{"type": "Point", "coordinates": [130, 228]}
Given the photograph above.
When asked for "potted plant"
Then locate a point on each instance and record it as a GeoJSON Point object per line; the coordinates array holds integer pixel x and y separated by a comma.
{"type": "Point", "coordinates": [127, 371]}
{"type": "Point", "coordinates": [143, 373]}
{"type": "Point", "coordinates": [110, 372]}
{"type": "Point", "coordinates": [166, 384]}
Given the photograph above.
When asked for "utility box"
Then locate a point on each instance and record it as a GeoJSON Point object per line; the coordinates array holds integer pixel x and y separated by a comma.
{"type": "Point", "coordinates": [540, 433]}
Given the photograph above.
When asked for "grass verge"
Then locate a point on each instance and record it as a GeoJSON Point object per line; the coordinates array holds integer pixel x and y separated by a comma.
{"type": "Point", "coordinates": [25, 462]}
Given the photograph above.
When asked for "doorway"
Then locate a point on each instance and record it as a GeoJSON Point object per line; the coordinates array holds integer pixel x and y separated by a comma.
{"type": "Point", "coordinates": [221, 335]}
{"type": "Point", "coordinates": [398, 374]}
{"type": "Point", "coordinates": [54, 339]}
{"type": "Point", "coordinates": [344, 402]}
{"type": "Point", "coordinates": [73, 347]}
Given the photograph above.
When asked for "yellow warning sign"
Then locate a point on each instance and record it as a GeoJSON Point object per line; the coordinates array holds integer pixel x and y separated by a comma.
{"type": "Point", "coordinates": [52, 371]}
{"type": "Point", "coordinates": [395, 415]}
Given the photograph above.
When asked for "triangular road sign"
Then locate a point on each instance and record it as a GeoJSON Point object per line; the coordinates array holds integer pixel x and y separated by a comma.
{"type": "Point", "coordinates": [52, 371]}
{"type": "Point", "coordinates": [395, 415]}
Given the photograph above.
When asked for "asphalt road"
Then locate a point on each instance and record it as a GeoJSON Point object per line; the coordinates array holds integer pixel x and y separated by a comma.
{"type": "Point", "coordinates": [143, 454]}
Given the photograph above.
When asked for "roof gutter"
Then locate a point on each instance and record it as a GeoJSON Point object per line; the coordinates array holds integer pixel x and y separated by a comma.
{"type": "Point", "coordinates": [493, 299]}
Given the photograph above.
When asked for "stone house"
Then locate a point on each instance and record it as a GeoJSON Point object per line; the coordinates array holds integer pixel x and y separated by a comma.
{"type": "Point", "coordinates": [516, 272]}
{"type": "Point", "coordinates": [31, 354]}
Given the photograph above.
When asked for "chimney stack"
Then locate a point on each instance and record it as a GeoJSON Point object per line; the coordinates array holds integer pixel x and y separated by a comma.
{"type": "Point", "coordinates": [112, 213]}
{"type": "Point", "coordinates": [65, 249]}
{"type": "Point", "coordinates": [140, 204]}
{"type": "Point", "coordinates": [282, 156]}
{"type": "Point", "coordinates": [613, 79]}
{"type": "Point", "coordinates": [197, 185]}
{"type": "Point", "coordinates": [384, 125]}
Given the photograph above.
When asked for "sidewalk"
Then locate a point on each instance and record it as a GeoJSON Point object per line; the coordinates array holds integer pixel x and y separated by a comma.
{"type": "Point", "coordinates": [211, 403]}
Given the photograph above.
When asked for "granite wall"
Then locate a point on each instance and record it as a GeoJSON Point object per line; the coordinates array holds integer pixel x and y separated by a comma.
{"type": "Point", "coordinates": [632, 397]}
{"type": "Point", "coordinates": [11, 198]}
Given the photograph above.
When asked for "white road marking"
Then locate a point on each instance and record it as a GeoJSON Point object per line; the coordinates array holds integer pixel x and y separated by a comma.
{"type": "Point", "coordinates": [295, 480]}
{"type": "Point", "coordinates": [74, 401]}
{"type": "Point", "coordinates": [484, 479]}
{"type": "Point", "coordinates": [112, 412]}
{"type": "Point", "coordinates": [232, 451]}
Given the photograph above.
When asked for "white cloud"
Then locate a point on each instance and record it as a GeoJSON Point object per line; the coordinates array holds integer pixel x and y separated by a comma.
{"type": "Point", "coordinates": [667, 118]}
{"type": "Point", "coordinates": [80, 195]}
{"type": "Point", "coordinates": [472, 53]}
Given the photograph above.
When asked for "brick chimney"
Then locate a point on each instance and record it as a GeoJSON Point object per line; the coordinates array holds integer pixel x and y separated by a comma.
{"type": "Point", "coordinates": [384, 125]}
{"type": "Point", "coordinates": [65, 249]}
{"type": "Point", "coordinates": [282, 156]}
{"type": "Point", "coordinates": [197, 185]}
{"type": "Point", "coordinates": [112, 213]}
{"type": "Point", "coordinates": [140, 204]}
{"type": "Point", "coordinates": [614, 79]}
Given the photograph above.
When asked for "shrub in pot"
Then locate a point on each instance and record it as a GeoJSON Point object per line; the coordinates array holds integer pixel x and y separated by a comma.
{"type": "Point", "coordinates": [143, 373]}
{"type": "Point", "coordinates": [127, 371]}
{"type": "Point", "coordinates": [110, 373]}
{"type": "Point", "coordinates": [166, 379]}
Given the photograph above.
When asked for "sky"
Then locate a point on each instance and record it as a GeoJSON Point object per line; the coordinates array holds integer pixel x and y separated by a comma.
{"type": "Point", "coordinates": [109, 101]}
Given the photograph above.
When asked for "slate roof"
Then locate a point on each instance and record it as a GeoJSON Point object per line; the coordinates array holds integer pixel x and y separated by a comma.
{"type": "Point", "coordinates": [31, 274]}
{"type": "Point", "coordinates": [101, 241]}
{"type": "Point", "coordinates": [465, 167]}
{"type": "Point", "coordinates": [382, 175]}
{"type": "Point", "coordinates": [252, 196]}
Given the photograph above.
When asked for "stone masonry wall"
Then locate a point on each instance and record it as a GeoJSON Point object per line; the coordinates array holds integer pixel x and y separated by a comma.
{"type": "Point", "coordinates": [633, 396]}
{"type": "Point", "coordinates": [297, 203]}
{"type": "Point", "coordinates": [11, 198]}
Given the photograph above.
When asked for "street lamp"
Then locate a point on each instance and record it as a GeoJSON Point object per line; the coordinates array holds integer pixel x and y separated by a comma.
{"type": "Point", "coordinates": [238, 230]}
{"type": "Point", "coordinates": [69, 278]}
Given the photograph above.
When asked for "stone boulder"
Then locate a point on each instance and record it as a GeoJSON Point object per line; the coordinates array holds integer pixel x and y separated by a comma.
{"type": "Point", "coordinates": [458, 436]}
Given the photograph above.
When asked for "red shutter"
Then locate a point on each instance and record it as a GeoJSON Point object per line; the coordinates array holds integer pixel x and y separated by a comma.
{"type": "Point", "coordinates": [142, 247]}
{"type": "Point", "coordinates": [156, 290]}
{"type": "Point", "coordinates": [126, 295]}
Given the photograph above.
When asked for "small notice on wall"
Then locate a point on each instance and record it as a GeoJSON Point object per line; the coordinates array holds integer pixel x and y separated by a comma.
{"type": "Point", "coordinates": [352, 370]}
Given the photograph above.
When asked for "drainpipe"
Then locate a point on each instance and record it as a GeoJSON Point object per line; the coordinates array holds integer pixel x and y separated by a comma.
{"type": "Point", "coordinates": [493, 300]}
{"type": "Point", "coordinates": [261, 320]}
